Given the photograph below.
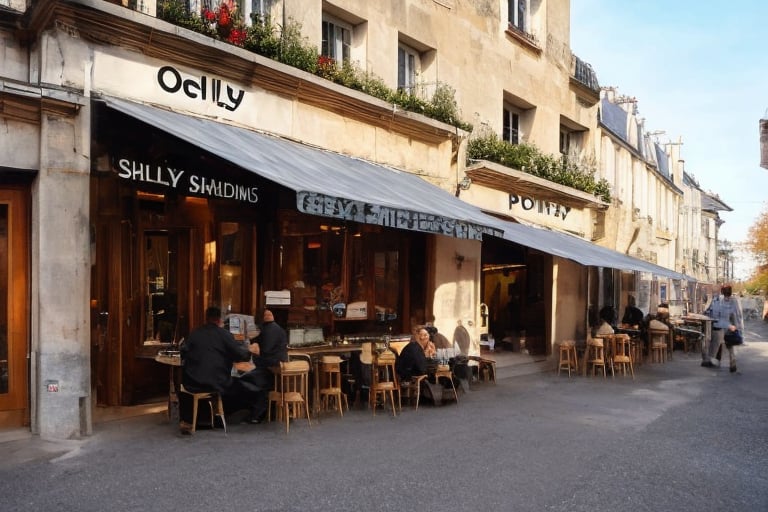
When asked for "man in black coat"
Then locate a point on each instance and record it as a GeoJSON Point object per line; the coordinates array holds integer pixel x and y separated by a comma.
{"type": "Point", "coordinates": [207, 357]}
{"type": "Point", "coordinates": [271, 348]}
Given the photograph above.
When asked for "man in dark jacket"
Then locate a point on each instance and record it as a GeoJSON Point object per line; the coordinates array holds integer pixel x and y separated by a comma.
{"type": "Point", "coordinates": [271, 348]}
{"type": "Point", "coordinates": [207, 357]}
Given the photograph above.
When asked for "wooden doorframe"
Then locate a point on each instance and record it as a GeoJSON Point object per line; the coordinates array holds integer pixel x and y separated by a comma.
{"type": "Point", "coordinates": [14, 405]}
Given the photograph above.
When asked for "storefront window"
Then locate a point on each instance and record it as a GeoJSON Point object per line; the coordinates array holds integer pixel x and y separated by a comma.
{"type": "Point", "coordinates": [386, 269]}
{"type": "Point", "coordinates": [231, 267]}
{"type": "Point", "coordinates": [161, 301]}
{"type": "Point", "coordinates": [340, 272]}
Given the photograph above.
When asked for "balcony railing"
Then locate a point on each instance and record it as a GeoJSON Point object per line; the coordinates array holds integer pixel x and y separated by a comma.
{"type": "Point", "coordinates": [583, 73]}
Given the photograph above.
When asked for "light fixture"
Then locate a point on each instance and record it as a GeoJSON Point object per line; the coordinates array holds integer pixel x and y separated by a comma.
{"type": "Point", "coordinates": [465, 182]}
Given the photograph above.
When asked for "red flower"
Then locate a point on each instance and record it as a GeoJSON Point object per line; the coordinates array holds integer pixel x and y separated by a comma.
{"type": "Point", "coordinates": [209, 15]}
{"type": "Point", "coordinates": [224, 17]}
{"type": "Point", "coordinates": [237, 37]}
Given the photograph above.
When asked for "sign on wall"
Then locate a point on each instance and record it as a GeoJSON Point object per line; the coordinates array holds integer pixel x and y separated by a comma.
{"type": "Point", "coordinates": [184, 181]}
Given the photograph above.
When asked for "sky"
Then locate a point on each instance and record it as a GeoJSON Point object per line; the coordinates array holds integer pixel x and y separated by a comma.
{"type": "Point", "coordinates": [699, 72]}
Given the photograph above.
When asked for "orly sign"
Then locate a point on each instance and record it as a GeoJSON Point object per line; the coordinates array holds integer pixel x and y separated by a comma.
{"type": "Point", "coordinates": [538, 205]}
{"type": "Point", "coordinates": [202, 87]}
{"type": "Point", "coordinates": [184, 182]}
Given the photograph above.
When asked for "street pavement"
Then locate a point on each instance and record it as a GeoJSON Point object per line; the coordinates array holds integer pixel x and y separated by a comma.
{"type": "Point", "coordinates": [678, 437]}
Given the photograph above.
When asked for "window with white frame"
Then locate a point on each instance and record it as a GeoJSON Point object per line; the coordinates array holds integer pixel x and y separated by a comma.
{"type": "Point", "coordinates": [407, 68]}
{"type": "Point", "coordinates": [257, 10]}
{"type": "Point", "coordinates": [511, 125]}
{"type": "Point", "coordinates": [516, 14]}
{"type": "Point", "coordinates": [337, 39]}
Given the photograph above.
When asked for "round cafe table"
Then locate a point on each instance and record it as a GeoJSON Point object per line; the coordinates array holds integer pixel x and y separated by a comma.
{"type": "Point", "coordinates": [174, 364]}
{"type": "Point", "coordinates": [707, 323]}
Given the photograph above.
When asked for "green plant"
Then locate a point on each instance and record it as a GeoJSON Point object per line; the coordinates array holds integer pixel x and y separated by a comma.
{"type": "Point", "coordinates": [287, 45]}
{"type": "Point", "coordinates": [571, 171]}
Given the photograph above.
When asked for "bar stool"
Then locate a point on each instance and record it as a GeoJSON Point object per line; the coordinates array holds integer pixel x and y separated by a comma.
{"type": "Point", "coordinates": [595, 356]}
{"type": "Point", "coordinates": [622, 355]}
{"type": "Point", "coordinates": [443, 371]}
{"type": "Point", "coordinates": [568, 358]}
{"type": "Point", "coordinates": [208, 397]}
{"type": "Point", "coordinates": [330, 385]}
{"type": "Point", "coordinates": [657, 341]}
{"type": "Point", "coordinates": [383, 381]}
{"type": "Point", "coordinates": [291, 393]}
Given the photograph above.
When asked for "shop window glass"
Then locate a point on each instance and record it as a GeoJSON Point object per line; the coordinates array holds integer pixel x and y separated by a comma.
{"type": "Point", "coordinates": [386, 271]}
{"type": "Point", "coordinates": [231, 267]}
{"type": "Point", "coordinates": [160, 300]}
{"type": "Point", "coordinates": [310, 264]}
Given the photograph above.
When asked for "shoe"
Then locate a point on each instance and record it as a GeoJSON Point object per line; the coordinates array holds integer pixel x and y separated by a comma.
{"type": "Point", "coordinates": [733, 369]}
{"type": "Point", "coordinates": [707, 364]}
{"type": "Point", "coordinates": [185, 428]}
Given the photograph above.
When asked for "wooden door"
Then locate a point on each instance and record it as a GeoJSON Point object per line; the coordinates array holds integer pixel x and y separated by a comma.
{"type": "Point", "coordinates": [14, 306]}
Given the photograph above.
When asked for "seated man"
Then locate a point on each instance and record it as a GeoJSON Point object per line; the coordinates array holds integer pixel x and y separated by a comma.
{"type": "Point", "coordinates": [607, 317]}
{"type": "Point", "coordinates": [271, 348]}
{"type": "Point", "coordinates": [208, 355]}
{"type": "Point", "coordinates": [633, 316]}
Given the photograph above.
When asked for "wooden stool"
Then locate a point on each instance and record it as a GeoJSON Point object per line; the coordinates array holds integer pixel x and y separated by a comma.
{"type": "Point", "coordinates": [658, 345]}
{"type": "Point", "coordinates": [383, 381]}
{"type": "Point", "coordinates": [330, 384]}
{"type": "Point", "coordinates": [444, 372]}
{"type": "Point", "coordinates": [595, 356]}
{"type": "Point", "coordinates": [568, 358]}
{"type": "Point", "coordinates": [622, 355]}
{"type": "Point", "coordinates": [208, 397]}
{"type": "Point", "coordinates": [291, 392]}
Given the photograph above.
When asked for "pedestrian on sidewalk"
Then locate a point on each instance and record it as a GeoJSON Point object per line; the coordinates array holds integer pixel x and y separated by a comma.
{"type": "Point", "coordinates": [726, 313]}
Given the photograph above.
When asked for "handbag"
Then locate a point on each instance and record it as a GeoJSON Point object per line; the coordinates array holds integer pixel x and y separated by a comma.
{"type": "Point", "coordinates": [733, 338]}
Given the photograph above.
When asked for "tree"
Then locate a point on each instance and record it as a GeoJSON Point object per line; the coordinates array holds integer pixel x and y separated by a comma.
{"type": "Point", "coordinates": [757, 244]}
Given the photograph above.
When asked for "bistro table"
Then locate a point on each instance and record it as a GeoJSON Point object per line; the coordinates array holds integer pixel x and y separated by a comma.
{"type": "Point", "coordinates": [707, 331]}
{"type": "Point", "coordinates": [173, 360]}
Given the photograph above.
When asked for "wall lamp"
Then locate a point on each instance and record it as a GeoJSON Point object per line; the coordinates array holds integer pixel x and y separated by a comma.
{"type": "Point", "coordinates": [464, 184]}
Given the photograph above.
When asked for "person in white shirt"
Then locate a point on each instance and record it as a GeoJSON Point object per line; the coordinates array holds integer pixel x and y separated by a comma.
{"type": "Point", "coordinates": [726, 312]}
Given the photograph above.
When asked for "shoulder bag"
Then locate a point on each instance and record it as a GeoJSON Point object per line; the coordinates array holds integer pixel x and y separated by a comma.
{"type": "Point", "coordinates": [733, 338]}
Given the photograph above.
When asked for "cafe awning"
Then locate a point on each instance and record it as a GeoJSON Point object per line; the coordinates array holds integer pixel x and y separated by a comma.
{"type": "Point", "coordinates": [326, 183]}
{"type": "Point", "coordinates": [580, 250]}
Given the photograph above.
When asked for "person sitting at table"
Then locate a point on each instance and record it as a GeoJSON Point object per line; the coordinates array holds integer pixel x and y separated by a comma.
{"type": "Point", "coordinates": [272, 348]}
{"type": "Point", "coordinates": [207, 356]}
{"type": "Point", "coordinates": [607, 318]}
{"type": "Point", "coordinates": [413, 357]}
{"type": "Point", "coordinates": [633, 316]}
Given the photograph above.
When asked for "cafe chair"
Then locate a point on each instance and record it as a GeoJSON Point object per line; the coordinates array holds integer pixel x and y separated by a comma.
{"type": "Point", "coordinates": [486, 368]}
{"type": "Point", "coordinates": [330, 385]}
{"type": "Point", "coordinates": [594, 357]}
{"type": "Point", "coordinates": [208, 398]}
{"type": "Point", "coordinates": [410, 390]}
{"type": "Point", "coordinates": [568, 358]}
{"type": "Point", "coordinates": [384, 383]}
{"type": "Point", "coordinates": [290, 395]}
{"type": "Point", "coordinates": [622, 355]}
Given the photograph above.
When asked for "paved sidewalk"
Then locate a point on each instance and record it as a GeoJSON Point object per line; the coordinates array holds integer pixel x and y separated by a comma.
{"type": "Point", "coordinates": [19, 446]}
